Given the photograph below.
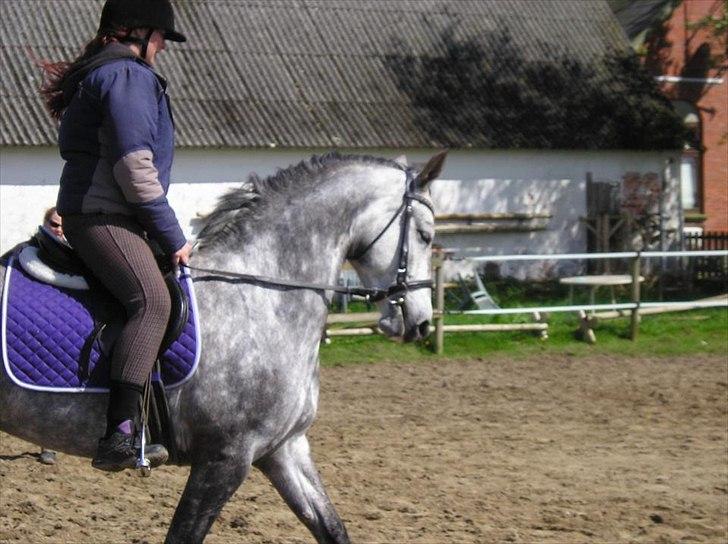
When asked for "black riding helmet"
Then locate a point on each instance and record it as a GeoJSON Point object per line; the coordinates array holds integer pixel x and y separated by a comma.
{"type": "Point", "coordinates": [153, 14]}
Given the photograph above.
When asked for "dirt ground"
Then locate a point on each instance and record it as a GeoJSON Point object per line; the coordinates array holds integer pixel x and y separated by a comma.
{"type": "Point", "coordinates": [545, 451]}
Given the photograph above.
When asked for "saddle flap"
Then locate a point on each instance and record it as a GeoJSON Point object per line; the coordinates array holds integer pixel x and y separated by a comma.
{"type": "Point", "coordinates": [179, 314]}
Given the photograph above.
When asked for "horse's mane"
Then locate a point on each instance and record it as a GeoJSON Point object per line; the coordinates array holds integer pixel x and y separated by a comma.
{"type": "Point", "coordinates": [238, 210]}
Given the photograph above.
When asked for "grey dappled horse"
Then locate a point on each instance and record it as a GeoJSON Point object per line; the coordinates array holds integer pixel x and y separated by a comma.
{"type": "Point", "coordinates": [255, 392]}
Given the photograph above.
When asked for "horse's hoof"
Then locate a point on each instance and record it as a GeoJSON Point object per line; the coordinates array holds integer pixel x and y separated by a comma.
{"type": "Point", "coordinates": [156, 454]}
{"type": "Point", "coordinates": [47, 457]}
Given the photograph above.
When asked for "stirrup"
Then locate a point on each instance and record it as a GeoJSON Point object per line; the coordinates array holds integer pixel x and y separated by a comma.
{"type": "Point", "coordinates": [151, 456]}
{"type": "Point", "coordinates": [143, 465]}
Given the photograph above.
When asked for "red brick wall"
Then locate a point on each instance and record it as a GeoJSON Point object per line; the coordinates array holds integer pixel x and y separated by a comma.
{"type": "Point", "coordinates": [677, 52]}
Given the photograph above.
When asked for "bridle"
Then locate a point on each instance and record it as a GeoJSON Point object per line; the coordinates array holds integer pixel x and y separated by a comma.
{"type": "Point", "coordinates": [400, 284]}
{"type": "Point", "coordinates": [395, 292]}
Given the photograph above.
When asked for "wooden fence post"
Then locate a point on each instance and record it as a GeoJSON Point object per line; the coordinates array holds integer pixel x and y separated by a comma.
{"type": "Point", "coordinates": [635, 321]}
{"type": "Point", "coordinates": [439, 307]}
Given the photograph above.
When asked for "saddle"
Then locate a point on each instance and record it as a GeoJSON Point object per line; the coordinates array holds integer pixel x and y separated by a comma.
{"type": "Point", "coordinates": [52, 260]}
{"type": "Point", "coordinates": [59, 325]}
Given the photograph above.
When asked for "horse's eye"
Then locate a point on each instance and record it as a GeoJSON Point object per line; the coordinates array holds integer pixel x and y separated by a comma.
{"type": "Point", "coordinates": [426, 236]}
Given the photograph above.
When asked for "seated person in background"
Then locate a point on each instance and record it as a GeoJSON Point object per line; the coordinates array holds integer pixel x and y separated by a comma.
{"type": "Point", "coordinates": [53, 223]}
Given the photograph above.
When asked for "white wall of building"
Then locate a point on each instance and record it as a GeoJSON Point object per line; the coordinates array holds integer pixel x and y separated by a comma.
{"type": "Point", "coordinates": [474, 181]}
{"type": "Point", "coordinates": [540, 182]}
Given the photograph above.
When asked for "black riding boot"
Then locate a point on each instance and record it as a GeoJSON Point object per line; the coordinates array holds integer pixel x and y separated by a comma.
{"type": "Point", "coordinates": [118, 449]}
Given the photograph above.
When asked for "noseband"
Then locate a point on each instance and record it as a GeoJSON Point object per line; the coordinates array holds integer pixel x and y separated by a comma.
{"type": "Point", "coordinates": [395, 292]}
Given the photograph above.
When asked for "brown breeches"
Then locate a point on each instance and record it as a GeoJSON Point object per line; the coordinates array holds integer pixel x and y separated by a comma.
{"type": "Point", "coordinates": [113, 247]}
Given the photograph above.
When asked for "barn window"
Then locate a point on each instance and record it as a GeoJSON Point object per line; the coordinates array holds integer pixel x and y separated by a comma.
{"type": "Point", "coordinates": [690, 162]}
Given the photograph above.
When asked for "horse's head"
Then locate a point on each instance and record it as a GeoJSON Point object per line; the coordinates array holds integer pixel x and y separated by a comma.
{"type": "Point", "coordinates": [395, 251]}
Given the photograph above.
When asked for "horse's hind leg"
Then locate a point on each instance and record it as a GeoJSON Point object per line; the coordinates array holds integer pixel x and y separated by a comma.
{"type": "Point", "coordinates": [208, 488]}
{"type": "Point", "coordinates": [293, 473]}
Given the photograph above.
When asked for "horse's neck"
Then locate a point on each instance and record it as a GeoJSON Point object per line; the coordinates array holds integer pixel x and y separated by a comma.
{"type": "Point", "coordinates": [307, 238]}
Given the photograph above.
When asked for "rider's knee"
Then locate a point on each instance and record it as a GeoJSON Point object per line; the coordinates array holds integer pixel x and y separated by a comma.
{"type": "Point", "coordinates": [159, 305]}
{"type": "Point", "coordinates": [152, 307]}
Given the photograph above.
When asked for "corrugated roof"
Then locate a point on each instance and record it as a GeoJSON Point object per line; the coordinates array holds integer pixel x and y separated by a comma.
{"type": "Point", "coordinates": [294, 73]}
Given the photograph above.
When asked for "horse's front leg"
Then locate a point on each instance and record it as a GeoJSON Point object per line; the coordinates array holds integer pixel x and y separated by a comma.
{"type": "Point", "coordinates": [209, 486]}
{"type": "Point", "coordinates": [293, 473]}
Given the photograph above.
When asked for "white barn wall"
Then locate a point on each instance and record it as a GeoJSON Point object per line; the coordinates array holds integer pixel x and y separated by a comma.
{"type": "Point", "coordinates": [549, 182]}
{"type": "Point", "coordinates": [474, 181]}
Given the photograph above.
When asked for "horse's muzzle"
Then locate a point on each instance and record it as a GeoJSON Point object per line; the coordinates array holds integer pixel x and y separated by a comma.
{"type": "Point", "coordinates": [424, 329]}
{"type": "Point", "coordinates": [398, 323]}
{"type": "Point", "coordinates": [418, 332]}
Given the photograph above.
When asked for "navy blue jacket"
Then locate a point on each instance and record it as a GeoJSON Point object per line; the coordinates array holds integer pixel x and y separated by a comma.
{"type": "Point", "coordinates": [117, 138]}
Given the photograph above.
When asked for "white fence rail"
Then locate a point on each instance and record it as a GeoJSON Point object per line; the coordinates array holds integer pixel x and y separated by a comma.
{"type": "Point", "coordinates": [597, 307]}
{"type": "Point", "coordinates": [591, 256]}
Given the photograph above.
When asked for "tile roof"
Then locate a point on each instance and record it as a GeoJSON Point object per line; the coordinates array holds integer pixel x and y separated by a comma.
{"type": "Point", "coordinates": [292, 73]}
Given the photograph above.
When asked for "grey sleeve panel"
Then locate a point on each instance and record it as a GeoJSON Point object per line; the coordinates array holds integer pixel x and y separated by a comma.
{"type": "Point", "coordinates": [137, 177]}
{"type": "Point", "coordinates": [104, 195]}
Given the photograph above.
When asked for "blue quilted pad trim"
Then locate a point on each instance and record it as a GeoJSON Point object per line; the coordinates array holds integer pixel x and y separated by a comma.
{"type": "Point", "coordinates": [45, 329]}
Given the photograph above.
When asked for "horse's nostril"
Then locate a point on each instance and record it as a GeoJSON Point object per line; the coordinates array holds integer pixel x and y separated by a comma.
{"type": "Point", "coordinates": [424, 329]}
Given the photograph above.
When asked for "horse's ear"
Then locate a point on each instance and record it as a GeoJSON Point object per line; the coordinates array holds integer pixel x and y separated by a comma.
{"type": "Point", "coordinates": [432, 169]}
{"type": "Point", "coordinates": [402, 161]}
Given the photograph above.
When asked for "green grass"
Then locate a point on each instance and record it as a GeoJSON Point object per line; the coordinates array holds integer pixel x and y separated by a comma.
{"type": "Point", "coordinates": [694, 332]}
{"type": "Point", "coordinates": [672, 334]}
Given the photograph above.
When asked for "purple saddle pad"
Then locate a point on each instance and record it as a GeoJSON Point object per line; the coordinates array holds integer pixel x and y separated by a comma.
{"type": "Point", "coordinates": [50, 336]}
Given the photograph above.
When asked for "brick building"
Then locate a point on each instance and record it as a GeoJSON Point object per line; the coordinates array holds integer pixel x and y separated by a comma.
{"type": "Point", "coordinates": [690, 63]}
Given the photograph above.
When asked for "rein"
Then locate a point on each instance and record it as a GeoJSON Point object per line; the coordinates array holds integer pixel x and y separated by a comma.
{"type": "Point", "coordinates": [370, 293]}
{"type": "Point", "coordinates": [219, 275]}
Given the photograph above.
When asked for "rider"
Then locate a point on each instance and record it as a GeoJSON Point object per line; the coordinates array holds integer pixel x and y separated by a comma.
{"type": "Point", "coordinates": [117, 137]}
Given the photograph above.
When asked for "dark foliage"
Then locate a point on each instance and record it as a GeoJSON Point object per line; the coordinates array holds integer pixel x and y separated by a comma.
{"type": "Point", "coordinates": [486, 91]}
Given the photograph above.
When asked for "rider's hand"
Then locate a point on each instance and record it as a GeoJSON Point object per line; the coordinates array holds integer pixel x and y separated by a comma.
{"type": "Point", "coordinates": [182, 255]}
